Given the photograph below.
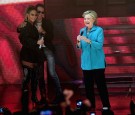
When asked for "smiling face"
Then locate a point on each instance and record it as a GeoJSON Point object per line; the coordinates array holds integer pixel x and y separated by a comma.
{"type": "Point", "coordinates": [88, 21]}
{"type": "Point", "coordinates": [32, 16]}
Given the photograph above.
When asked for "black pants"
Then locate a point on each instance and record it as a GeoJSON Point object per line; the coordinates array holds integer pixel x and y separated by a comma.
{"type": "Point", "coordinates": [30, 75]}
{"type": "Point", "coordinates": [97, 76]}
{"type": "Point", "coordinates": [41, 81]}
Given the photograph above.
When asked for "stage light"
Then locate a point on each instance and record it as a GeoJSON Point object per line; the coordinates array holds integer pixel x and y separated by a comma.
{"type": "Point", "coordinates": [92, 113]}
{"type": "Point", "coordinates": [46, 112]}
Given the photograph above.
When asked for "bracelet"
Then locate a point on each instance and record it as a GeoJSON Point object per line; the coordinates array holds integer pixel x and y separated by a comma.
{"type": "Point", "coordinates": [89, 42]}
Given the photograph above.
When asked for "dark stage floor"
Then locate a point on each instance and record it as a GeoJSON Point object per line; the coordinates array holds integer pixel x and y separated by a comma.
{"type": "Point", "coordinates": [10, 98]}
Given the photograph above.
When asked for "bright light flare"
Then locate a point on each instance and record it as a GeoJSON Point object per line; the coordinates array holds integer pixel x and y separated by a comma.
{"type": "Point", "coordinates": [3, 2]}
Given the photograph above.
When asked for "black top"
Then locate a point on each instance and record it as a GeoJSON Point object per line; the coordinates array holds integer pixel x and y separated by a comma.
{"type": "Point", "coordinates": [30, 49]}
{"type": "Point", "coordinates": [48, 27]}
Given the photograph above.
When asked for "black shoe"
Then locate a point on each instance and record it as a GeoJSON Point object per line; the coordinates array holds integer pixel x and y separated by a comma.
{"type": "Point", "coordinates": [107, 112]}
{"type": "Point", "coordinates": [25, 101]}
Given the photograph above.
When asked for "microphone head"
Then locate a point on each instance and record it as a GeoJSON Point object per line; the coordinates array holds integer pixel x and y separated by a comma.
{"type": "Point", "coordinates": [81, 33]}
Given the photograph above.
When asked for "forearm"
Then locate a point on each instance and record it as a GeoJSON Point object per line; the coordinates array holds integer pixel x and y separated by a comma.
{"type": "Point", "coordinates": [87, 40]}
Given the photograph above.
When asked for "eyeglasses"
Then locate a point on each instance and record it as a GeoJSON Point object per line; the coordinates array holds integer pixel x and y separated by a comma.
{"type": "Point", "coordinates": [40, 12]}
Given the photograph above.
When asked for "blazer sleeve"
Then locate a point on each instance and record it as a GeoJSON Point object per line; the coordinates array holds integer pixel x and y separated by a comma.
{"type": "Point", "coordinates": [98, 43]}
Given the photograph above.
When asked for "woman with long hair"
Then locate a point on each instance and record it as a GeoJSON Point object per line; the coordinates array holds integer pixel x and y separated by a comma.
{"type": "Point", "coordinates": [30, 54]}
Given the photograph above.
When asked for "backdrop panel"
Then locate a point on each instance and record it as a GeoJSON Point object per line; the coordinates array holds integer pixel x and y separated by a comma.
{"type": "Point", "coordinates": [119, 44]}
{"type": "Point", "coordinates": [11, 15]}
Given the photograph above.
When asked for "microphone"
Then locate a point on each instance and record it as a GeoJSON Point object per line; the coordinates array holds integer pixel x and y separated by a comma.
{"type": "Point", "coordinates": [41, 45]}
{"type": "Point", "coordinates": [78, 41]}
{"type": "Point", "coordinates": [81, 33]}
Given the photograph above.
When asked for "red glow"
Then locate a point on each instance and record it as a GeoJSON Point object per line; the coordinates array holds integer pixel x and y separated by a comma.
{"type": "Point", "coordinates": [18, 1]}
{"type": "Point", "coordinates": [116, 20]}
{"type": "Point", "coordinates": [11, 16]}
{"type": "Point", "coordinates": [119, 44]}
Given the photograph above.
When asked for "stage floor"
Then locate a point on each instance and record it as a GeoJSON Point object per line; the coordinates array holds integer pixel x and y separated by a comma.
{"type": "Point", "coordinates": [10, 97]}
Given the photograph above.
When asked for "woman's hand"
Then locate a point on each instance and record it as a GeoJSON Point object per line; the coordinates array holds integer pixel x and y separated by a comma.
{"type": "Point", "coordinates": [40, 42]}
{"type": "Point", "coordinates": [79, 38]}
{"type": "Point", "coordinates": [23, 24]}
{"type": "Point", "coordinates": [85, 39]}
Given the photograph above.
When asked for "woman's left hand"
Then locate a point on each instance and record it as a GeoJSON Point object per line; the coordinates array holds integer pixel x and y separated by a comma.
{"type": "Point", "coordinates": [85, 39]}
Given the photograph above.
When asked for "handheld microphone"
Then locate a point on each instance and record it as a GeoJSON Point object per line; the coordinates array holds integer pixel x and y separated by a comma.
{"type": "Point", "coordinates": [81, 33]}
{"type": "Point", "coordinates": [41, 45]}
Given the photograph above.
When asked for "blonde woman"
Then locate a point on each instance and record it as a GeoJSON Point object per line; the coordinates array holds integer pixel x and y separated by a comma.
{"type": "Point", "coordinates": [90, 41]}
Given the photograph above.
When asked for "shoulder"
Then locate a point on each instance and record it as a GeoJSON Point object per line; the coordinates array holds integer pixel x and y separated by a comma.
{"type": "Point", "coordinates": [98, 28]}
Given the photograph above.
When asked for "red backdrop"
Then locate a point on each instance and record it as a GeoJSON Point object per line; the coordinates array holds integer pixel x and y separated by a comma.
{"type": "Point", "coordinates": [119, 44]}
{"type": "Point", "coordinates": [11, 15]}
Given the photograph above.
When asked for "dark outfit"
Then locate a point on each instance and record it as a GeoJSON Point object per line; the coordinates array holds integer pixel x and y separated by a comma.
{"type": "Point", "coordinates": [31, 53]}
{"type": "Point", "coordinates": [48, 52]}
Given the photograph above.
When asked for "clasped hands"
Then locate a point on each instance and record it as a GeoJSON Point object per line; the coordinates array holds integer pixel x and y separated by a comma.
{"type": "Point", "coordinates": [79, 38]}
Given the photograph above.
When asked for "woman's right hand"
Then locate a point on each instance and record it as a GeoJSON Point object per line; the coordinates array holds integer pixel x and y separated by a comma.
{"type": "Point", "coordinates": [23, 24]}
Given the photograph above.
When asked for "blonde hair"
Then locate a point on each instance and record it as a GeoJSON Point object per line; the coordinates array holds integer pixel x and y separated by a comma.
{"type": "Point", "coordinates": [92, 13]}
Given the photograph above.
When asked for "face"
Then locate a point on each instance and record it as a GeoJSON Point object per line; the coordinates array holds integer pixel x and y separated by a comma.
{"type": "Point", "coordinates": [40, 11]}
{"type": "Point", "coordinates": [88, 21]}
{"type": "Point", "coordinates": [32, 16]}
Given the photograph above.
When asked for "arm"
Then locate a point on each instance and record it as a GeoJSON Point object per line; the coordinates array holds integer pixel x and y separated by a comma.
{"type": "Point", "coordinates": [98, 44]}
{"type": "Point", "coordinates": [19, 28]}
{"type": "Point", "coordinates": [48, 28]}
